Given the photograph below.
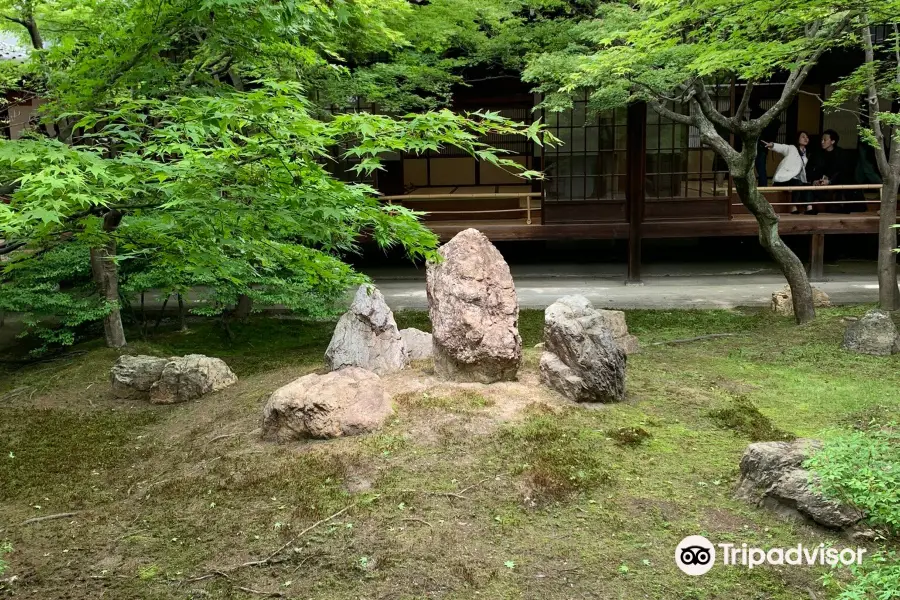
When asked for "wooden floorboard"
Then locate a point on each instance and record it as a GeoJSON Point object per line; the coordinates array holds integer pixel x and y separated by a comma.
{"type": "Point", "coordinates": [739, 225]}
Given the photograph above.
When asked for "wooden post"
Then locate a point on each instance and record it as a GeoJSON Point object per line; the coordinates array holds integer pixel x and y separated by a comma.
{"type": "Point", "coordinates": [817, 257]}
{"type": "Point", "coordinates": [636, 166]}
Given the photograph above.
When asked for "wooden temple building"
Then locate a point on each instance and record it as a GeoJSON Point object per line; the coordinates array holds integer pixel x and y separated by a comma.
{"type": "Point", "coordinates": [625, 174]}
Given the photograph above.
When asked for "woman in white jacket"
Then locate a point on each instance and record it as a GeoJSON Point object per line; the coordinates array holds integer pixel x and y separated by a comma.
{"type": "Point", "coordinates": [792, 169]}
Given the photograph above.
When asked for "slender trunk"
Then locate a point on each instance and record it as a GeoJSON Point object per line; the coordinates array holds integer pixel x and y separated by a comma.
{"type": "Point", "coordinates": [182, 316]}
{"type": "Point", "coordinates": [162, 312]}
{"type": "Point", "coordinates": [888, 291]}
{"type": "Point", "coordinates": [790, 265]}
{"type": "Point", "coordinates": [106, 275]}
{"type": "Point", "coordinates": [243, 309]}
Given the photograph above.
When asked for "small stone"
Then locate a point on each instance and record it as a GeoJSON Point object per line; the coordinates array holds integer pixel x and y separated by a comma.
{"type": "Point", "coordinates": [875, 334]}
{"type": "Point", "coordinates": [772, 476]}
{"type": "Point", "coordinates": [783, 301]}
{"type": "Point", "coordinates": [418, 343]}
{"type": "Point", "coordinates": [350, 401]}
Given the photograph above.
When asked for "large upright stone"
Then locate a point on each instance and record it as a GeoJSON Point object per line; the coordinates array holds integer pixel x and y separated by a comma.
{"type": "Point", "coordinates": [367, 336]}
{"type": "Point", "coordinates": [874, 333]}
{"type": "Point", "coordinates": [350, 401]}
{"type": "Point", "coordinates": [474, 312]}
{"type": "Point", "coordinates": [581, 358]}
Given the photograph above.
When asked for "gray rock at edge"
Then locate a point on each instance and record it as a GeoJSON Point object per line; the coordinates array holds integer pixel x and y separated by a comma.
{"type": "Point", "coordinates": [581, 358]}
{"type": "Point", "coordinates": [772, 476]}
{"type": "Point", "coordinates": [874, 333]}
{"type": "Point", "coordinates": [366, 336]}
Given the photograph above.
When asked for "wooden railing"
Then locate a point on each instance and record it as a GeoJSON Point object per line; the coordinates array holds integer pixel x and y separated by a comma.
{"type": "Point", "coordinates": [449, 197]}
{"type": "Point", "coordinates": [821, 188]}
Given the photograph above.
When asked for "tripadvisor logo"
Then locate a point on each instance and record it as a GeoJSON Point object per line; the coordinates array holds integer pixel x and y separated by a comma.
{"type": "Point", "coordinates": [696, 555]}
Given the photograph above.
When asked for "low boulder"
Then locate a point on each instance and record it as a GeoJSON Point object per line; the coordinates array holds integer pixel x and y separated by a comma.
{"type": "Point", "coordinates": [133, 376]}
{"type": "Point", "coordinates": [189, 377]}
{"type": "Point", "coordinates": [418, 343]}
{"type": "Point", "coordinates": [783, 301]}
{"type": "Point", "coordinates": [581, 359]}
{"type": "Point", "coordinates": [366, 336]}
{"type": "Point", "coordinates": [350, 401]}
{"type": "Point", "coordinates": [772, 476]}
{"type": "Point", "coordinates": [474, 312]}
{"type": "Point", "coordinates": [874, 333]}
{"type": "Point", "coordinates": [614, 320]}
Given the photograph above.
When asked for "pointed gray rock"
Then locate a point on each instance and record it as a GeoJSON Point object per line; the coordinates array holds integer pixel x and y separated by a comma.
{"type": "Point", "coordinates": [366, 336]}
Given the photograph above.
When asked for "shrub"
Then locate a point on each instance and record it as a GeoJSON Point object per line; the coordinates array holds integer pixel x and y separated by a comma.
{"type": "Point", "coordinates": [862, 468]}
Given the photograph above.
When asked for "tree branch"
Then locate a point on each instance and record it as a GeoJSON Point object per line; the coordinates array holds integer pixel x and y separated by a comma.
{"type": "Point", "coordinates": [710, 136]}
{"type": "Point", "coordinates": [29, 23]}
{"type": "Point", "coordinates": [670, 114]}
{"type": "Point", "coordinates": [745, 102]}
{"type": "Point", "coordinates": [11, 247]}
{"type": "Point", "coordinates": [706, 105]}
{"type": "Point", "coordinates": [799, 74]}
{"type": "Point", "coordinates": [881, 156]}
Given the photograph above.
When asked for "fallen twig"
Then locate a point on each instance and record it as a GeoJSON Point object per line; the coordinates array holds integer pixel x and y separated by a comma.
{"type": "Point", "coordinates": [261, 592]}
{"type": "Point", "coordinates": [228, 435]}
{"type": "Point", "coordinates": [270, 558]}
{"type": "Point", "coordinates": [16, 392]}
{"type": "Point", "coordinates": [47, 518]}
{"type": "Point", "coordinates": [458, 494]}
{"type": "Point", "coordinates": [695, 339]}
{"type": "Point", "coordinates": [418, 521]}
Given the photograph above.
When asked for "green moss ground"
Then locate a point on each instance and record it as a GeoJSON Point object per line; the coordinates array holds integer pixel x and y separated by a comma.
{"type": "Point", "coordinates": [551, 504]}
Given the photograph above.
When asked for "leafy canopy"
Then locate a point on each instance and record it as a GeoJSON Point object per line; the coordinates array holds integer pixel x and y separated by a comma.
{"type": "Point", "coordinates": [192, 121]}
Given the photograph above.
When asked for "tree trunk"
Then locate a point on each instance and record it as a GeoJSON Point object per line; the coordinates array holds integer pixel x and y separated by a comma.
{"type": "Point", "coordinates": [888, 292]}
{"type": "Point", "coordinates": [790, 265]}
{"type": "Point", "coordinates": [182, 314]}
{"type": "Point", "coordinates": [107, 278]}
{"type": "Point", "coordinates": [243, 309]}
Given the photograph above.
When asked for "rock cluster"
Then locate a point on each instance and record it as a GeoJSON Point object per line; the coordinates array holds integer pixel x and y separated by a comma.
{"type": "Point", "coordinates": [772, 476]}
{"type": "Point", "coordinates": [474, 312]}
{"type": "Point", "coordinates": [349, 401]}
{"type": "Point", "coordinates": [581, 358]}
{"type": "Point", "coordinates": [169, 380]}
{"type": "Point", "coordinates": [874, 333]}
